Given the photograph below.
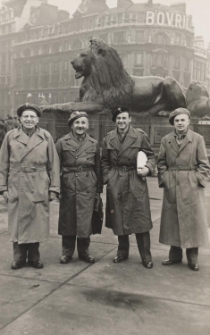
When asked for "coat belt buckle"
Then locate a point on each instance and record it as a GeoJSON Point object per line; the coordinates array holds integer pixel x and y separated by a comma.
{"type": "Point", "coordinates": [80, 169]}
{"type": "Point", "coordinates": [124, 169]}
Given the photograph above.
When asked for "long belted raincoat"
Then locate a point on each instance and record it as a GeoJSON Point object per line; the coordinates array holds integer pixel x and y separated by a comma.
{"type": "Point", "coordinates": [128, 207]}
{"type": "Point", "coordinates": [183, 172]}
{"type": "Point", "coordinates": [80, 181]}
{"type": "Point", "coordinates": [29, 169]}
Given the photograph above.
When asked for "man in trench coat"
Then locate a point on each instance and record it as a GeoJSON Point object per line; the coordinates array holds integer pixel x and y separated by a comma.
{"type": "Point", "coordinates": [128, 207]}
{"type": "Point", "coordinates": [80, 186]}
{"type": "Point", "coordinates": [29, 178]}
{"type": "Point", "coordinates": [183, 169]}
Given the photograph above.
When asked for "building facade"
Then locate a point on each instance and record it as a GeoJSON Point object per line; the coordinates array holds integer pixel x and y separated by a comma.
{"type": "Point", "coordinates": [38, 41]}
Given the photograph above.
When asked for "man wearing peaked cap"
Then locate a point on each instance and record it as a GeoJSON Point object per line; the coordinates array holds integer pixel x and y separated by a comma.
{"type": "Point", "coordinates": [29, 179]}
{"type": "Point", "coordinates": [127, 207]}
{"type": "Point", "coordinates": [183, 169]}
{"type": "Point", "coordinates": [81, 186]}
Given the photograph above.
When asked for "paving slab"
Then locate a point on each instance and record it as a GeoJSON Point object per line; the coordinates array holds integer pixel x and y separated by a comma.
{"type": "Point", "coordinates": [50, 252]}
{"type": "Point", "coordinates": [177, 282]}
{"type": "Point", "coordinates": [17, 295]}
{"type": "Point", "coordinates": [93, 311]}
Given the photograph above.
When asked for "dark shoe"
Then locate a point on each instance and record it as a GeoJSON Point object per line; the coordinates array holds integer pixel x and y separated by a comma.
{"type": "Point", "coordinates": [87, 258]}
{"type": "Point", "coordinates": [194, 267]}
{"type": "Point", "coordinates": [65, 259]}
{"type": "Point", "coordinates": [171, 262]}
{"type": "Point", "coordinates": [17, 265]}
{"type": "Point", "coordinates": [119, 258]}
{"type": "Point", "coordinates": [148, 265]}
{"type": "Point", "coordinates": [36, 264]}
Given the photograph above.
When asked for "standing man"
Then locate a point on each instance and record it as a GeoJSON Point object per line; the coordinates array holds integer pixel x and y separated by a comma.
{"type": "Point", "coordinates": [183, 168]}
{"type": "Point", "coordinates": [128, 207]}
{"type": "Point", "coordinates": [29, 178]}
{"type": "Point", "coordinates": [80, 186]}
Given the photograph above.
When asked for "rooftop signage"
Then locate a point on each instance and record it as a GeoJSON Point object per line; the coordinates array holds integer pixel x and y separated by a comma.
{"type": "Point", "coordinates": [169, 19]}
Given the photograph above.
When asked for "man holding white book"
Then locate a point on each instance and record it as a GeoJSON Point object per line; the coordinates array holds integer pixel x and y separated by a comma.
{"type": "Point", "coordinates": [128, 207]}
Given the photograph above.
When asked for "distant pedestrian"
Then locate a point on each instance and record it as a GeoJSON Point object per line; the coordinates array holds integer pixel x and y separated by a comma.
{"type": "Point", "coordinates": [183, 169]}
{"type": "Point", "coordinates": [29, 179]}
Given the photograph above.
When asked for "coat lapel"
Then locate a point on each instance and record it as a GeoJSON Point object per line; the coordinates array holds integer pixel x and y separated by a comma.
{"type": "Point", "coordinates": [31, 142]}
{"type": "Point", "coordinates": [173, 143]}
{"type": "Point", "coordinates": [128, 141]}
{"type": "Point", "coordinates": [186, 140]}
{"type": "Point", "coordinates": [114, 141]}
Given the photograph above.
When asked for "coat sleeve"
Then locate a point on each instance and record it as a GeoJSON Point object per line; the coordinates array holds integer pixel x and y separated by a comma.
{"type": "Point", "coordinates": [97, 169]}
{"type": "Point", "coordinates": [146, 148]}
{"type": "Point", "coordinates": [4, 164]}
{"type": "Point", "coordinates": [105, 162]}
{"type": "Point", "coordinates": [203, 167]}
{"type": "Point", "coordinates": [53, 167]}
{"type": "Point", "coordinates": [162, 163]}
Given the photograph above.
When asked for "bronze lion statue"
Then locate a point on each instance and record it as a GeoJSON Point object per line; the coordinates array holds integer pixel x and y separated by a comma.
{"type": "Point", "coordinates": [106, 85]}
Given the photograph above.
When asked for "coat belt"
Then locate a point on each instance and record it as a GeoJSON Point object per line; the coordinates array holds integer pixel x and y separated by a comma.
{"type": "Point", "coordinates": [29, 169]}
{"type": "Point", "coordinates": [124, 168]}
{"type": "Point", "coordinates": [67, 169]}
{"type": "Point", "coordinates": [182, 168]}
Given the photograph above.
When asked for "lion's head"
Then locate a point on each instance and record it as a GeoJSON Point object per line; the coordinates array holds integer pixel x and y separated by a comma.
{"type": "Point", "coordinates": [104, 76]}
{"type": "Point", "coordinates": [197, 99]}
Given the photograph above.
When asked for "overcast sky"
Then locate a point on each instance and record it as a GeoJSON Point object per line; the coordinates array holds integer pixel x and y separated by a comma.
{"type": "Point", "coordinates": [199, 9]}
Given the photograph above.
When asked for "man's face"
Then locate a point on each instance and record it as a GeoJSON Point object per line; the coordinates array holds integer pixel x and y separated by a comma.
{"type": "Point", "coordinates": [29, 119]}
{"type": "Point", "coordinates": [122, 121]}
{"type": "Point", "coordinates": [181, 123]}
{"type": "Point", "coordinates": [80, 126]}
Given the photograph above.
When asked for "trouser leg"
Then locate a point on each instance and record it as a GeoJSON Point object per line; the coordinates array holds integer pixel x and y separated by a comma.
{"type": "Point", "coordinates": [33, 252]}
{"type": "Point", "coordinates": [175, 253]}
{"type": "Point", "coordinates": [143, 242]}
{"type": "Point", "coordinates": [68, 245]}
{"type": "Point", "coordinates": [83, 246]}
{"type": "Point", "coordinates": [19, 252]}
{"type": "Point", "coordinates": [192, 255]}
{"type": "Point", "coordinates": [123, 246]}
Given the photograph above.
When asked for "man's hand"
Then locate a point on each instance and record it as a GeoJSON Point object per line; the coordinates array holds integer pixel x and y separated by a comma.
{"type": "Point", "coordinates": [143, 172]}
{"type": "Point", "coordinates": [5, 195]}
{"type": "Point", "coordinates": [52, 196]}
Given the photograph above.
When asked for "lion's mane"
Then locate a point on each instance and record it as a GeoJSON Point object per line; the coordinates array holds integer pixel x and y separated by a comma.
{"type": "Point", "coordinates": [106, 79]}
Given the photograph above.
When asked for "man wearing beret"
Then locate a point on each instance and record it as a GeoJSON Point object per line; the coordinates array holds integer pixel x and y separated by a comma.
{"type": "Point", "coordinates": [128, 207]}
{"type": "Point", "coordinates": [29, 178]}
{"type": "Point", "coordinates": [183, 169]}
{"type": "Point", "coordinates": [80, 186]}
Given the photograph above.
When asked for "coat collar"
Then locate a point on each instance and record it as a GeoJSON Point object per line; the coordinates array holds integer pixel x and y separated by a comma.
{"type": "Point", "coordinates": [30, 143]}
{"type": "Point", "coordinates": [128, 141]}
{"type": "Point", "coordinates": [188, 138]}
{"type": "Point", "coordinates": [71, 141]}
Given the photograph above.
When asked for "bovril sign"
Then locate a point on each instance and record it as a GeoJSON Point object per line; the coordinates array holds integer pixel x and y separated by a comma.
{"type": "Point", "coordinates": [169, 19]}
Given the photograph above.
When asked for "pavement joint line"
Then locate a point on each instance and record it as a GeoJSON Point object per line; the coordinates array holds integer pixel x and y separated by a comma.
{"type": "Point", "coordinates": [51, 292]}
{"type": "Point", "coordinates": [46, 296]}
{"type": "Point", "coordinates": [148, 296]}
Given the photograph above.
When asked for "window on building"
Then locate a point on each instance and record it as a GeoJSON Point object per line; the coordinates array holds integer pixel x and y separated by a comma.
{"type": "Point", "coordinates": [178, 39]}
{"type": "Point", "coordinates": [177, 62]}
{"type": "Point", "coordinates": [160, 39]}
{"type": "Point", "coordinates": [120, 19]}
{"type": "Point", "coordinates": [186, 79]}
{"type": "Point", "coordinates": [139, 58]}
{"type": "Point", "coordinates": [119, 37]}
{"type": "Point", "coordinates": [139, 36]}
{"type": "Point", "coordinates": [186, 63]}
{"type": "Point", "coordinates": [160, 59]}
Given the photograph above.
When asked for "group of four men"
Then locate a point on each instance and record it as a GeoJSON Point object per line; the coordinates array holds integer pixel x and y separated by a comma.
{"type": "Point", "coordinates": [32, 168]}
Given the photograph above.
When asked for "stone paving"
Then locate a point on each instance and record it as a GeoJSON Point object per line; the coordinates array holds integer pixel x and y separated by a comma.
{"type": "Point", "coordinates": [104, 298]}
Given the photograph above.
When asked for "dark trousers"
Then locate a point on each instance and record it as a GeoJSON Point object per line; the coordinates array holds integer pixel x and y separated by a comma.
{"type": "Point", "coordinates": [69, 242]}
{"type": "Point", "coordinates": [175, 253]}
{"type": "Point", "coordinates": [143, 242]}
{"type": "Point", "coordinates": [26, 250]}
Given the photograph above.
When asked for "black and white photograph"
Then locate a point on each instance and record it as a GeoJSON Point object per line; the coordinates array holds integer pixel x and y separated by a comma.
{"type": "Point", "coordinates": [104, 167]}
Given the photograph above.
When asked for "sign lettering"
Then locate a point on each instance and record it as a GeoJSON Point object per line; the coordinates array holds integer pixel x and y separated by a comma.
{"type": "Point", "coordinates": [168, 19]}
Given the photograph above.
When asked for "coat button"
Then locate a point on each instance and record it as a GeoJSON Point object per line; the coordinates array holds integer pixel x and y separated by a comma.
{"type": "Point", "coordinates": [76, 175]}
{"type": "Point", "coordinates": [76, 157]}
